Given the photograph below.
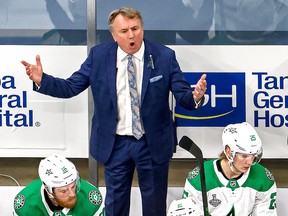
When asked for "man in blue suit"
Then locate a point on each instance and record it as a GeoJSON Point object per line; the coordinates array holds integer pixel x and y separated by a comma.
{"type": "Point", "coordinates": [112, 142]}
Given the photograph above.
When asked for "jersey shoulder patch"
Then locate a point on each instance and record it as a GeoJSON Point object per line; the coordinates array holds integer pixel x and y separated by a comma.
{"type": "Point", "coordinates": [19, 201]}
{"type": "Point", "coordinates": [95, 197]}
{"type": "Point", "coordinates": [194, 173]}
{"type": "Point", "coordinates": [269, 175]}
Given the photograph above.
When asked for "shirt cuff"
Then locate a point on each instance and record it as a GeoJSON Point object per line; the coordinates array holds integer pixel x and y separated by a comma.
{"type": "Point", "coordinates": [199, 103]}
{"type": "Point", "coordinates": [36, 86]}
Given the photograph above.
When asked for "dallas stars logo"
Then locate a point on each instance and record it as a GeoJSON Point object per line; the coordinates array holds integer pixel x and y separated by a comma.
{"type": "Point", "coordinates": [232, 130]}
{"type": "Point", "coordinates": [95, 197]}
{"type": "Point", "coordinates": [49, 172]}
{"type": "Point", "coordinates": [19, 201]}
{"type": "Point", "coordinates": [269, 175]}
{"type": "Point", "coordinates": [194, 173]}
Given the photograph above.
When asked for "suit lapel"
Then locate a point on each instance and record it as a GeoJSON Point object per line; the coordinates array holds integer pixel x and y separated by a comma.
{"type": "Point", "coordinates": [147, 69]}
{"type": "Point", "coordinates": [112, 71]}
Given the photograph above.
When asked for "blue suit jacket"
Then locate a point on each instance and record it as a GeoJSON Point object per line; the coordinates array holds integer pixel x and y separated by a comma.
{"type": "Point", "coordinates": [99, 72]}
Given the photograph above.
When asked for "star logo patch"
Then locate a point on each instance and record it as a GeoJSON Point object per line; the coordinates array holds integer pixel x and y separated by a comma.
{"type": "Point", "coordinates": [19, 201]}
{"type": "Point", "coordinates": [95, 197]}
{"type": "Point", "coordinates": [48, 172]}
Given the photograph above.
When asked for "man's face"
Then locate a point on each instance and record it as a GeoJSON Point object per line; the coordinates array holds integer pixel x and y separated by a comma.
{"type": "Point", "coordinates": [66, 196]}
{"type": "Point", "coordinates": [128, 33]}
{"type": "Point", "coordinates": [242, 162]}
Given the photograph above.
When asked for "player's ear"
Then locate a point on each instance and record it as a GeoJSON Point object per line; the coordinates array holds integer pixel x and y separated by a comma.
{"type": "Point", "coordinates": [228, 150]}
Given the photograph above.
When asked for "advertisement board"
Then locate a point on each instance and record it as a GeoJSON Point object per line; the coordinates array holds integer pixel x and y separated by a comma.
{"type": "Point", "coordinates": [36, 125]}
{"type": "Point", "coordinates": [245, 83]}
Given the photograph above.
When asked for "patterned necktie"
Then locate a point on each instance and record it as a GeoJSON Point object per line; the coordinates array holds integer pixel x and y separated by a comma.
{"type": "Point", "coordinates": [135, 105]}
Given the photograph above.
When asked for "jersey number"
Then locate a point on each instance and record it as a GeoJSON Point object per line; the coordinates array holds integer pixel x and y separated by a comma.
{"type": "Point", "coordinates": [273, 201]}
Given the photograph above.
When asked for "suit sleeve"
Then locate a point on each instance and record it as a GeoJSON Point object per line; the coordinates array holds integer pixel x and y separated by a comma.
{"type": "Point", "coordinates": [70, 87]}
{"type": "Point", "coordinates": [179, 86]}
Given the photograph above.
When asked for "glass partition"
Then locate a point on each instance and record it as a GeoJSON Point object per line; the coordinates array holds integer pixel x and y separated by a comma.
{"type": "Point", "coordinates": [207, 22]}
{"type": "Point", "coordinates": [171, 22]}
{"type": "Point", "coordinates": [49, 22]}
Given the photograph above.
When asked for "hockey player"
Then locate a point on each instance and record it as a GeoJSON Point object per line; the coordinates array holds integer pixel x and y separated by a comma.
{"type": "Point", "coordinates": [236, 183]}
{"type": "Point", "coordinates": [59, 191]}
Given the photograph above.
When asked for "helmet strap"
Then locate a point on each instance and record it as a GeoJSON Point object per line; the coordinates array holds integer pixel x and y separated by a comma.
{"type": "Point", "coordinates": [230, 157]}
{"type": "Point", "coordinates": [49, 192]}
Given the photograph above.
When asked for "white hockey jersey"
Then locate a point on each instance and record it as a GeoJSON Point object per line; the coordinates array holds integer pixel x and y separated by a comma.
{"type": "Point", "coordinates": [254, 193]}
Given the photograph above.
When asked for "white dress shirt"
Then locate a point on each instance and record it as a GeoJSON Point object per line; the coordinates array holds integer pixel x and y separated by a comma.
{"type": "Point", "coordinates": [124, 126]}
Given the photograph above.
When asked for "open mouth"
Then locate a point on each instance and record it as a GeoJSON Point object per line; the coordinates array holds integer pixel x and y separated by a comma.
{"type": "Point", "coordinates": [132, 44]}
